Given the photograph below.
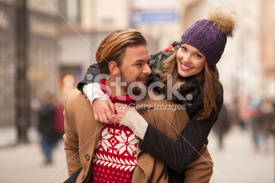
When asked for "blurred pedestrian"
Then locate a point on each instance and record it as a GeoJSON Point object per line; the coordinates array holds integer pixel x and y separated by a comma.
{"type": "Point", "coordinates": [59, 118]}
{"type": "Point", "coordinates": [46, 127]}
{"type": "Point", "coordinates": [272, 128]}
{"type": "Point", "coordinates": [243, 111]}
{"type": "Point", "coordinates": [267, 118]}
{"type": "Point", "coordinates": [255, 121]}
{"type": "Point", "coordinates": [222, 125]}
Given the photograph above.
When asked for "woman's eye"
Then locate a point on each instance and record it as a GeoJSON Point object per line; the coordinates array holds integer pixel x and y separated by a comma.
{"type": "Point", "coordinates": [183, 48]}
{"type": "Point", "coordinates": [198, 55]}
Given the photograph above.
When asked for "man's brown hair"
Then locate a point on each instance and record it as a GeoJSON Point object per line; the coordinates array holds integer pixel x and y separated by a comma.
{"type": "Point", "coordinates": [113, 46]}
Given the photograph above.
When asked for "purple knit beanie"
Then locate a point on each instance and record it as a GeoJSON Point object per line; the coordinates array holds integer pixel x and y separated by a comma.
{"type": "Point", "coordinates": [209, 35]}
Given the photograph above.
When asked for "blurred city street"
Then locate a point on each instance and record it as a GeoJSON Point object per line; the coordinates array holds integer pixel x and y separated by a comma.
{"type": "Point", "coordinates": [24, 163]}
{"type": "Point", "coordinates": [238, 162]}
{"type": "Point", "coordinates": [46, 47]}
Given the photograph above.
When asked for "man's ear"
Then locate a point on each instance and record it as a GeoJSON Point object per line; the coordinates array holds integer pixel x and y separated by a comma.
{"type": "Point", "coordinates": [113, 68]}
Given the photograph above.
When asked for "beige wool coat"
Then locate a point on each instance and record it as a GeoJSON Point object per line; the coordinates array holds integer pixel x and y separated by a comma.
{"type": "Point", "coordinates": [82, 133]}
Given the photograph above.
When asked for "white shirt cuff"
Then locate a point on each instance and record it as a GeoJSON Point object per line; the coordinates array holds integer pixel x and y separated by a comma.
{"type": "Point", "coordinates": [93, 91]}
{"type": "Point", "coordinates": [135, 122]}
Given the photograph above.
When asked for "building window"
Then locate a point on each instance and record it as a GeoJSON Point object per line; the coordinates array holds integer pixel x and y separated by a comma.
{"type": "Point", "coordinates": [70, 10]}
{"type": "Point", "coordinates": [63, 10]}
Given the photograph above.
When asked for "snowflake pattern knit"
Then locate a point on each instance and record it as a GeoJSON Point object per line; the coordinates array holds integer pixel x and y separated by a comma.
{"type": "Point", "coordinates": [115, 157]}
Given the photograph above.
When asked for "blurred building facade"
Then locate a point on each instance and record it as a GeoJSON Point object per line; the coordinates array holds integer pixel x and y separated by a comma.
{"type": "Point", "coordinates": [46, 46]}
{"type": "Point", "coordinates": [28, 40]}
{"type": "Point", "coordinates": [246, 68]}
{"type": "Point", "coordinates": [7, 68]}
{"type": "Point", "coordinates": [85, 23]}
{"type": "Point", "coordinates": [42, 53]}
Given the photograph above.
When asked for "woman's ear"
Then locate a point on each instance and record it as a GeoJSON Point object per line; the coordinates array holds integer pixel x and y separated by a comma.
{"type": "Point", "coordinates": [113, 68]}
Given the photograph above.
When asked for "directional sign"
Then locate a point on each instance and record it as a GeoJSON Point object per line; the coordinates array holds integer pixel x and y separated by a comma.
{"type": "Point", "coordinates": [142, 17]}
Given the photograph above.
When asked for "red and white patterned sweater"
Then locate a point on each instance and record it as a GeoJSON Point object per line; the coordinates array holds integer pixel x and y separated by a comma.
{"type": "Point", "coordinates": [115, 156]}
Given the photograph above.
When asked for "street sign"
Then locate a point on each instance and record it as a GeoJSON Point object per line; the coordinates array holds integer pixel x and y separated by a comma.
{"type": "Point", "coordinates": [143, 17]}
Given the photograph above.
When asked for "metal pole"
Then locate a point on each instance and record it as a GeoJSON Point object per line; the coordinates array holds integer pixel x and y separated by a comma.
{"type": "Point", "coordinates": [21, 88]}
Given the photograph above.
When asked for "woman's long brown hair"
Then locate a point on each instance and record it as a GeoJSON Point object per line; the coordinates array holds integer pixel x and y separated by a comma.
{"type": "Point", "coordinates": [209, 89]}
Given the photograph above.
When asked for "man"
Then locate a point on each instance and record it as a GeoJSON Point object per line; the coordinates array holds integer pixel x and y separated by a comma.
{"type": "Point", "coordinates": [46, 115]}
{"type": "Point", "coordinates": [109, 152]}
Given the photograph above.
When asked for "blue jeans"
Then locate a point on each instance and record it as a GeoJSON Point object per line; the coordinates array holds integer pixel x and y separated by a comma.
{"type": "Point", "coordinates": [47, 144]}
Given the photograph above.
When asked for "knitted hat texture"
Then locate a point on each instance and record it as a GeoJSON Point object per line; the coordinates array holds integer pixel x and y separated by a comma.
{"type": "Point", "coordinates": [209, 35]}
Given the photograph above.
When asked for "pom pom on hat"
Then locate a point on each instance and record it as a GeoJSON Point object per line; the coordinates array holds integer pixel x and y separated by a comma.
{"type": "Point", "coordinates": [223, 19]}
{"type": "Point", "coordinates": [209, 35]}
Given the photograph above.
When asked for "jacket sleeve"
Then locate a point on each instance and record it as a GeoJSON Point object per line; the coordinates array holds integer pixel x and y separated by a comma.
{"type": "Point", "coordinates": [200, 169]}
{"type": "Point", "coordinates": [70, 141]}
{"type": "Point", "coordinates": [90, 75]}
{"type": "Point", "coordinates": [177, 155]}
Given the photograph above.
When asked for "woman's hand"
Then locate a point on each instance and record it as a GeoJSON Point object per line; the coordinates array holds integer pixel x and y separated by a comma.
{"type": "Point", "coordinates": [104, 110]}
{"type": "Point", "coordinates": [121, 110]}
{"type": "Point", "coordinates": [107, 112]}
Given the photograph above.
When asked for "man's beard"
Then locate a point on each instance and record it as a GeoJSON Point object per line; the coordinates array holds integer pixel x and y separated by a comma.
{"type": "Point", "coordinates": [135, 90]}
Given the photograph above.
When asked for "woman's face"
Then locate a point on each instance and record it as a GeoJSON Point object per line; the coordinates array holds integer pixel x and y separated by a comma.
{"type": "Point", "coordinates": [190, 60]}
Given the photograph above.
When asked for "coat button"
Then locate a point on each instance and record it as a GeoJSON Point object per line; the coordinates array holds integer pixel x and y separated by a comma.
{"type": "Point", "coordinates": [87, 157]}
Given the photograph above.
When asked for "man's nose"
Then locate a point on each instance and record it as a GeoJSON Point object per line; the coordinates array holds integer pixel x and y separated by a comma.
{"type": "Point", "coordinates": [147, 70]}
